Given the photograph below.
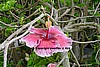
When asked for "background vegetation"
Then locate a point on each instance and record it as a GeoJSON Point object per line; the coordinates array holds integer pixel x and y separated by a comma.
{"type": "Point", "coordinates": [79, 19]}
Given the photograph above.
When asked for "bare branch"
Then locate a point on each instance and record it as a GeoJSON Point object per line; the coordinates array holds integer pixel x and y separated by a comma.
{"type": "Point", "coordinates": [96, 9]}
{"type": "Point", "coordinates": [52, 8]}
{"type": "Point", "coordinates": [67, 10]}
{"type": "Point", "coordinates": [75, 58]}
{"type": "Point", "coordinates": [19, 31]}
{"type": "Point", "coordinates": [9, 25]}
{"type": "Point", "coordinates": [5, 55]}
{"type": "Point", "coordinates": [75, 19]}
{"type": "Point", "coordinates": [86, 42]}
{"type": "Point", "coordinates": [97, 61]}
{"type": "Point", "coordinates": [31, 14]}
{"type": "Point", "coordinates": [65, 56]}
{"type": "Point", "coordinates": [83, 24]}
{"type": "Point", "coordinates": [15, 16]}
{"type": "Point", "coordinates": [9, 40]}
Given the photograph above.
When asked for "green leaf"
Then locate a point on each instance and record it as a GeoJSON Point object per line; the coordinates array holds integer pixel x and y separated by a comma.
{"type": "Point", "coordinates": [20, 62]}
{"type": "Point", "coordinates": [98, 36]}
{"type": "Point", "coordinates": [8, 30]}
{"type": "Point", "coordinates": [19, 6]}
{"type": "Point", "coordinates": [46, 0]}
{"type": "Point", "coordinates": [76, 0]}
{"type": "Point", "coordinates": [21, 20]}
{"type": "Point", "coordinates": [76, 14]}
{"type": "Point", "coordinates": [4, 19]}
{"type": "Point", "coordinates": [81, 4]}
{"type": "Point", "coordinates": [97, 14]}
{"type": "Point", "coordinates": [7, 5]}
{"type": "Point", "coordinates": [41, 62]}
{"type": "Point", "coordinates": [68, 2]}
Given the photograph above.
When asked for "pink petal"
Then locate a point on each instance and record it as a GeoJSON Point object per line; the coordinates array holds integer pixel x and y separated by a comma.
{"type": "Point", "coordinates": [43, 52]}
{"type": "Point", "coordinates": [63, 41]}
{"type": "Point", "coordinates": [59, 50]}
{"type": "Point", "coordinates": [46, 48]}
{"type": "Point", "coordinates": [47, 43]}
{"type": "Point", "coordinates": [32, 40]}
{"type": "Point", "coordinates": [52, 65]}
{"type": "Point", "coordinates": [55, 30]}
{"type": "Point", "coordinates": [43, 49]}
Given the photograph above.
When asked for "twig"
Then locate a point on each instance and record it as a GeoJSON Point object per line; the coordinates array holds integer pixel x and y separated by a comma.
{"type": "Point", "coordinates": [62, 59]}
{"type": "Point", "coordinates": [96, 9]}
{"type": "Point", "coordinates": [70, 15]}
{"type": "Point", "coordinates": [19, 30]}
{"type": "Point", "coordinates": [16, 17]}
{"type": "Point", "coordinates": [75, 58]}
{"type": "Point", "coordinates": [86, 42]}
{"type": "Point", "coordinates": [86, 65]}
{"type": "Point", "coordinates": [9, 40]}
{"type": "Point", "coordinates": [22, 2]}
{"type": "Point", "coordinates": [58, 3]}
{"type": "Point", "coordinates": [5, 55]}
{"type": "Point", "coordinates": [26, 3]}
{"type": "Point", "coordinates": [72, 12]}
{"type": "Point", "coordinates": [7, 45]}
{"type": "Point", "coordinates": [47, 4]}
{"type": "Point", "coordinates": [80, 26]}
{"type": "Point", "coordinates": [92, 10]}
{"type": "Point", "coordinates": [52, 8]}
{"type": "Point", "coordinates": [75, 19]}
{"type": "Point", "coordinates": [67, 10]}
{"type": "Point", "coordinates": [96, 56]}
{"type": "Point", "coordinates": [30, 7]}
{"type": "Point", "coordinates": [64, 2]}
{"type": "Point", "coordinates": [62, 8]}
{"type": "Point", "coordinates": [18, 37]}
{"type": "Point", "coordinates": [9, 25]}
{"type": "Point", "coordinates": [17, 46]}
{"type": "Point", "coordinates": [31, 14]}
{"type": "Point", "coordinates": [83, 24]}
{"type": "Point", "coordinates": [66, 62]}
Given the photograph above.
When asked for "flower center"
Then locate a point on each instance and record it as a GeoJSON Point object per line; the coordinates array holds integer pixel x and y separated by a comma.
{"type": "Point", "coordinates": [47, 34]}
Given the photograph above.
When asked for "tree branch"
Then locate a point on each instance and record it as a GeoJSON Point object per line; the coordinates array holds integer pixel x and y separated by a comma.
{"type": "Point", "coordinates": [75, 58]}
{"type": "Point", "coordinates": [86, 42]}
{"type": "Point", "coordinates": [19, 31]}
{"type": "Point", "coordinates": [9, 25]}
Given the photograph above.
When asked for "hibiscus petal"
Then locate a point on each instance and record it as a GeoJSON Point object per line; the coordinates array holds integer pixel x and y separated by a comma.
{"type": "Point", "coordinates": [59, 50]}
{"type": "Point", "coordinates": [55, 30]}
{"type": "Point", "coordinates": [43, 52]}
{"type": "Point", "coordinates": [45, 48]}
{"type": "Point", "coordinates": [32, 40]}
{"type": "Point", "coordinates": [47, 43]}
{"type": "Point", "coordinates": [64, 41]}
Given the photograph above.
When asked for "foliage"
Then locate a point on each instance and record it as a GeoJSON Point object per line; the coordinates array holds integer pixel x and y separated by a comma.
{"type": "Point", "coordinates": [7, 5]}
{"type": "Point", "coordinates": [15, 13]}
{"type": "Point", "coordinates": [37, 61]}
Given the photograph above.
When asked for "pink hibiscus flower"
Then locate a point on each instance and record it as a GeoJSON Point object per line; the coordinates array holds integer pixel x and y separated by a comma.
{"type": "Point", "coordinates": [52, 65]}
{"type": "Point", "coordinates": [47, 41]}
